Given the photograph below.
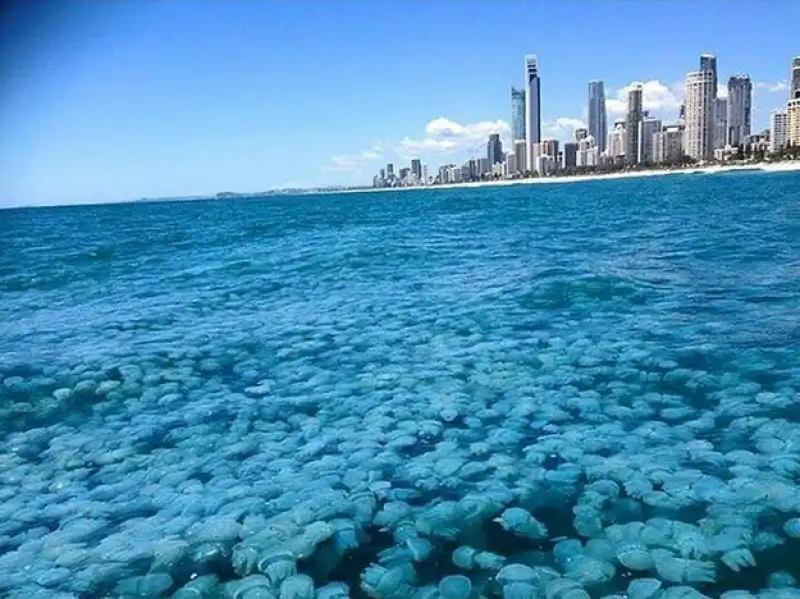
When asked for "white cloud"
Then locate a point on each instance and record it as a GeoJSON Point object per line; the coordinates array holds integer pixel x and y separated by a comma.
{"type": "Point", "coordinates": [656, 97]}
{"type": "Point", "coordinates": [351, 162]}
{"type": "Point", "coordinates": [779, 86]}
{"type": "Point", "coordinates": [563, 126]}
{"type": "Point", "coordinates": [444, 135]}
{"type": "Point", "coordinates": [722, 92]}
{"type": "Point", "coordinates": [428, 143]}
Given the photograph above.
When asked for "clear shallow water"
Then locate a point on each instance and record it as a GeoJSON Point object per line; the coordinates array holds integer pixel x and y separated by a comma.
{"type": "Point", "coordinates": [169, 368]}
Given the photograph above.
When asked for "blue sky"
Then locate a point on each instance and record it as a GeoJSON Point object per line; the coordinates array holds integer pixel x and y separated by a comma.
{"type": "Point", "coordinates": [109, 101]}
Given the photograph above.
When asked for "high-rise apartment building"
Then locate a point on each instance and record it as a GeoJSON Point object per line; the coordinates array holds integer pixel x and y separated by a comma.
{"type": "Point", "coordinates": [533, 109]}
{"type": "Point", "coordinates": [794, 85]}
{"type": "Point", "coordinates": [569, 155]}
{"type": "Point", "coordinates": [740, 101]}
{"type": "Point", "coordinates": [521, 151]}
{"type": "Point", "coordinates": [510, 164]}
{"type": "Point", "coordinates": [668, 145]}
{"type": "Point", "coordinates": [648, 127]}
{"type": "Point", "coordinates": [616, 140]}
{"type": "Point", "coordinates": [708, 62]}
{"type": "Point", "coordinates": [699, 100]}
{"type": "Point", "coordinates": [598, 127]}
{"type": "Point", "coordinates": [778, 129]}
{"type": "Point", "coordinates": [793, 122]}
{"type": "Point", "coordinates": [416, 168]}
{"type": "Point", "coordinates": [548, 147]}
{"type": "Point", "coordinates": [587, 154]}
{"type": "Point", "coordinates": [633, 121]}
{"type": "Point", "coordinates": [720, 123]}
{"type": "Point", "coordinates": [581, 133]}
{"type": "Point", "coordinates": [494, 149]}
{"type": "Point", "coordinates": [517, 114]}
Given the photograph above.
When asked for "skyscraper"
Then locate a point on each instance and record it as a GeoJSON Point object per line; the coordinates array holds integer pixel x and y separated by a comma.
{"type": "Point", "coordinates": [517, 114]}
{"type": "Point", "coordinates": [533, 110]}
{"type": "Point", "coordinates": [740, 100]}
{"type": "Point", "coordinates": [494, 149]}
{"type": "Point", "coordinates": [794, 86]}
{"type": "Point", "coordinates": [720, 122]}
{"type": "Point", "coordinates": [699, 133]}
{"type": "Point", "coordinates": [598, 128]}
{"type": "Point", "coordinates": [633, 120]}
{"type": "Point", "coordinates": [708, 62]}
{"type": "Point", "coordinates": [416, 168]}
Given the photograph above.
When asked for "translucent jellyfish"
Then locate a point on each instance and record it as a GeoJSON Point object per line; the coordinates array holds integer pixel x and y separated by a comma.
{"type": "Point", "coordinates": [643, 588]}
{"type": "Point", "coordinates": [520, 522]}
{"type": "Point", "coordinates": [388, 583]}
{"type": "Point", "coordinates": [690, 543]}
{"type": "Point", "coordinates": [590, 571]}
{"type": "Point", "coordinates": [414, 549]}
{"type": "Point", "coordinates": [298, 586]}
{"type": "Point", "coordinates": [520, 590]}
{"type": "Point", "coordinates": [469, 558]}
{"type": "Point", "coordinates": [245, 559]}
{"type": "Point", "coordinates": [167, 554]}
{"type": "Point", "coordinates": [516, 573]}
{"type": "Point", "coordinates": [277, 565]}
{"type": "Point", "coordinates": [333, 590]}
{"type": "Point", "coordinates": [255, 586]}
{"type": "Point", "coordinates": [680, 570]}
{"type": "Point", "coordinates": [792, 528]}
{"type": "Point", "coordinates": [202, 587]}
{"type": "Point", "coordinates": [736, 559]}
{"type": "Point", "coordinates": [149, 585]}
{"type": "Point", "coordinates": [781, 580]}
{"type": "Point", "coordinates": [601, 549]}
{"type": "Point", "coordinates": [455, 587]}
{"type": "Point", "coordinates": [563, 588]}
{"type": "Point", "coordinates": [635, 557]}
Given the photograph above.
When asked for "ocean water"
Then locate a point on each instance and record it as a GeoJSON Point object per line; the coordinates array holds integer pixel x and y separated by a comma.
{"type": "Point", "coordinates": [360, 384]}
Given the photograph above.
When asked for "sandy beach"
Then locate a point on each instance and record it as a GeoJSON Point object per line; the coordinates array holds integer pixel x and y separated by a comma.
{"type": "Point", "coordinates": [763, 167]}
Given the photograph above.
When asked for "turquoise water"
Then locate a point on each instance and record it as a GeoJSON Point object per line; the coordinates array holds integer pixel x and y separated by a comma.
{"type": "Point", "coordinates": [174, 376]}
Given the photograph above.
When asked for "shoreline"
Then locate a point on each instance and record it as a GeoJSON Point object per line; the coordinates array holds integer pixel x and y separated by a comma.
{"type": "Point", "coordinates": [705, 170]}
{"type": "Point", "coordinates": [762, 167]}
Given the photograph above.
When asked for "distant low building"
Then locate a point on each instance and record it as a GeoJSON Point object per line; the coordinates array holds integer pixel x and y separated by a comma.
{"type": "Point", "coordinates": [668, 144]}
{"type": "Point", "coordinates": [778, 130]}
{"type": "Point", "coordinates": [494, 149]}
{"type": "Point", "coordinates": [616, 140]}
{"type": "Point", "coordinates": [587, 154]}
{"type": "Point", "coordinates": [520, 150]}
{"type": "Point", "coordinates": [569, 157]}
{"type": "Point", "coordinates": [647, 130]}
{"type": "Point", "coordinates": [511, 164]}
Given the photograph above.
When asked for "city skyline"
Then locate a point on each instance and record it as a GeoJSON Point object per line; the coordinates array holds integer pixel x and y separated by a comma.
{"type": "Point", "coordinates": [712, 126]}
{"type": "Point", "coordinates": [116, 102]}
